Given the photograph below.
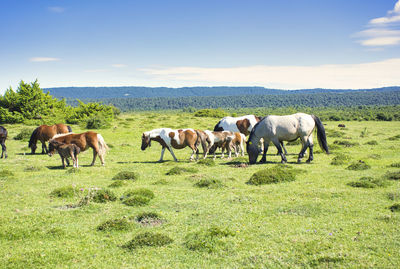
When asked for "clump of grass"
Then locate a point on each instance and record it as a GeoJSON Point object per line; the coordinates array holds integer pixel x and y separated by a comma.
{"type": "Point", "coordinates": [364, 132]}
{"type": "Point", "coordinates": [395, 165]}
{"type": "Point", "coordinates": [206, 162]}
{"type": "Point", "coordinates": [395, 208]}
{"type": "Point", "coordinates": [103, 196]}
{"type": "Point", "coordinates": [114, 225]}
{"type": "Point", "coordinates": [73, 170]}
{"type": "Point", "coordinates": [209, 183]}
{"type": "Point", "coordinates": [340, 159]}
{"type": "Point", "coordinates": [24, 134]}
{"type": "Point", "coordinates": [117, 184]}
{"type": "Point", "coordinates": [6, 174]}
{"type": "Point", "coordinates": [148, 239]}
{"type": "Point", "coordinates": [368, 182]}
{"type": "Point", "coordinates": [141, 192]}
{"type": "Point", "coordinates": [396, 137]}
{"type": "Point", "coordinates": [179, 170]}
{"type": "Point", "coordinates": [372, 143]}
{"type": "Point", "coordinates": [33, 168]}
{"type": "Point", "coordinates": [332, 133]}
{"type": "Point", "coordinates": [393, 175]}
{"type": "Point", "coordinates": [275, 174]}
{"type": "Point", "coordinates": [136, 200]}
{"type": "Point", "coordinates": [149, 219]}
{"type": "Point", "coordinates": [161, 182]}
{"type": "Point", "coordinates": [63, 192]}
{"type": "Point", "coordinates": [126, 175]}
{"type": "Point", "coordinates": [358, 166]}
{"type": "Point", "coordinates": [345, 143]}
{"type": "Point", "coordinates": [375, 156]}
{"type": "Point", "coordinates": [207, 240]}
{"type": "Point", "coordinates": [393, 196]}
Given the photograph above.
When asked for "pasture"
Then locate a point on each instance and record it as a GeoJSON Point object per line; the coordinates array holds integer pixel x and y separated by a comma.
{"type": "Point", "coordinates": [201, 215]}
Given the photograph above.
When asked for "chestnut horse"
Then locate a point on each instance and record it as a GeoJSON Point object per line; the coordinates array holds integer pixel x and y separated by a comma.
{"type": "Point", "coordinates": [169, 138]}
{"type": "Point", "coordinates": [3, 137]}
{"type": "Point", "coordinates": [83, 141]}
{"type": "Point", "coordinates": [44, 133]}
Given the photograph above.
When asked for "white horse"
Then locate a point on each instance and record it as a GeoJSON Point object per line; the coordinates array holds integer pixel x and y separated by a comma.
{"type": "Point", "coordinates": [286, 128]}
{"type": "Point", "coordinates": [169, 138]}
{"type": "Point", "coordinates": [243, 124]}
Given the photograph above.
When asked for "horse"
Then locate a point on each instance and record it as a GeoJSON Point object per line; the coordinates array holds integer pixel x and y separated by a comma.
{"type": "Point", "coordinates": [83, 141]}
{"type": "Point", "coordinates": [3, 137]}
{"type": "Point", "coordinates": [169, 138]}
{"type": "Point", "coordinates": [44, 133]}
{"type": "Point", "coordinates": [243, 124]}
{"type": "Point", "coordinates": [286, 128]}
{"type": "Point", "coordinates": [219, 139]}
{"type": "Point", "coordinates": [67, 151]}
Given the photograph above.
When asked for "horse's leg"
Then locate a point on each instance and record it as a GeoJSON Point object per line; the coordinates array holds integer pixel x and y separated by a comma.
{"type": "Point", "coordinates": [264, 156]}
{"type": "Point", "coordinates": [67, 161]}
{"type": "Point", "coordinates": [94, 156]}
{"type": "Point", "coordinates": [305, 143]}
{"type": "Point", "coordinates": [283, 146]}
{"type": "Point", "coordinates": [162, 154]}
{"type": "Point", "coordinates": [3, 149]}
{"type": "Point", "coordinates": [172, 153]}
{"type": "Point", "coordinates": [278, 146]}
{"type": "Point", "coordinates": [311, 147]}
{"type": "Point", "coordinates": [194, 151]}
{"type": "Point", "coordinates": [62, 160]}
{"type": "Point", "coordinates": [44, 151]}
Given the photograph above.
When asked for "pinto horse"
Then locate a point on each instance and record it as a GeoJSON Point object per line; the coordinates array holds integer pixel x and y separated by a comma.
{"type": "Point", "coordinates": [44, 133]}
{"type": "Point", "coordinates": [243, 124]}
{"type": "Point", "coordinates": [286, 128]}
{"type": "Point", "coordinates": [169, 138]}
{"type": "Point", "coordinates": [83, 141]}
{"type": "Point", "coordinates": [3, 137]}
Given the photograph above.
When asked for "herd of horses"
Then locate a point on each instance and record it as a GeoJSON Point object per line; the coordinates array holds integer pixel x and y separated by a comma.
{"type": "Point", "coordinates": [229, 134]}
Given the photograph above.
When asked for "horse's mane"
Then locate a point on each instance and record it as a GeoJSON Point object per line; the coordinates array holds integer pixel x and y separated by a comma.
{"type": "Point", "coordinates": [60, 135]}
{"type": "Point", "coordinates": [33, 138]}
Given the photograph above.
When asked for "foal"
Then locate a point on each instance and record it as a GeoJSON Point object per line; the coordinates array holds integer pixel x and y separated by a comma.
{"type": "Point", "coordinates": [66, 151]}
{"type": "Point", "coordinates": [219, 139]}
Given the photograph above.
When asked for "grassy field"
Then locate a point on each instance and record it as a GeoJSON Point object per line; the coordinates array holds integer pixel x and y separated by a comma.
{"type": "Point", "coordinates": [203, 215]}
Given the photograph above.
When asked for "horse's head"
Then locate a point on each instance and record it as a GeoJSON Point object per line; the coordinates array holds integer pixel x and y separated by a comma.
{"type": "Point", "coordinates": [146, 141]}
{"type": "Point", "coordinates": [53, 145]}
{"type": "Point", "coordinates": [252, 151]}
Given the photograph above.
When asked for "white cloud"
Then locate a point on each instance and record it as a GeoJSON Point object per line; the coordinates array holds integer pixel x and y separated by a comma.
{"type": "Point", "coordinates": [56, 9]}
{"type": "Point", "coordinates": [381, 31]}
{"type": "Point", "coordinates": [341, 76]}
{"type": "Point", "coordinates": [43, 59]}
{"type": "Point", "coordinates": [119, 65]}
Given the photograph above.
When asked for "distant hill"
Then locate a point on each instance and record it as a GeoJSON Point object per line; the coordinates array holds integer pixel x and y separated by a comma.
{"type": "Point", "coordinates": [149, 92]}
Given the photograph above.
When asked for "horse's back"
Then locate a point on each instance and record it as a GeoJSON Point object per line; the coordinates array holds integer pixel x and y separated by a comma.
{"type": "Point", "coordinates": [288, 127]}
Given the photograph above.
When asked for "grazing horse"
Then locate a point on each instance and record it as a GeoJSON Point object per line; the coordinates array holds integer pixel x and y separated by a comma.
{"type": "Point", "coordinates": [243, 124]}
{"type": "Point", "coordinates": [169, 138]}
{"type": "Point", "coordinates": [44, 133]}
{"type": "Point", "coordinates": [83, 141]}
{"type": "Point", "coordinates": [286, 128]}
{"type": "Point", "coordinates": [3, 137]}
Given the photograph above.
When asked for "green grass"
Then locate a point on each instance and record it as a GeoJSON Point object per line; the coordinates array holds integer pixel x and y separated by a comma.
{"type": "Point", "coordinates": [315, 221]}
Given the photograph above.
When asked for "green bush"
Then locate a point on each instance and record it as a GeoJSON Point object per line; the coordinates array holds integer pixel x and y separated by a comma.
{"type": "Point", "coordinates": [141, 192]}
{"type": "Point", "coordinates": [179, 170]}
{"type": "Point", "coordinates": [136, 200]}
{"type": "Point", "coordinates": [117, 184]}
{"type": "Point", "coordinates": [209, 183]}
{"type": "Point", "coordinates": [114, 225]}
{"type": "Point", "coordinates": [126, 175]}
{"type": "Point", "coordinates": [64, 192]}
{"type": "Point", "coordinates": [368, 182]}
{"type": "Point", "coordinates": [212, 113]}
{"type": "Point", "coordinates": [340, 159]}
{"type": "Point", "coordinates": [357, 166]}
{"type": "Point", "coordinates": [24, 134]}
{"type": "Point", "coordinates": [148, 239]}
{"type": "Point", "coordinates": [97, 121]}
{"type": "Point", "coordinates": [273, 175]}
{"type": "Point", "coordinates": [103, 196]}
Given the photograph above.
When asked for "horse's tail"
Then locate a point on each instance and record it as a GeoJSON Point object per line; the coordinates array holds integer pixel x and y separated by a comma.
{"type": "Point", "coordinates": [69, 129]}
{"type": "Point", "coordinates": [201, 138]}
{"type": "Point", "coordinates": [217, 128]}
{"type": "Point", "coordinates": [321, 134]}
{"type": "Point", "coordinates": [33, 138]}
{"type": "Point", "coordinates": [102, 145]}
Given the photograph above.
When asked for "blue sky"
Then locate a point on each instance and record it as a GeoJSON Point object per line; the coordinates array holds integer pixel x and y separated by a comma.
{"type": "Point", "coordinates": [286, 44]}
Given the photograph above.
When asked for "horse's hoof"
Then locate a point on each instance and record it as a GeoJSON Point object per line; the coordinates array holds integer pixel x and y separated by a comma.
{"type": "Point", "coordinates": [299, 161]}
{"type": "Point", "coordinates": [308, 161]}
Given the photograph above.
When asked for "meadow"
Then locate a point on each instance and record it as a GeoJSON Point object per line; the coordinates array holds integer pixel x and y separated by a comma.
{"type": "Point", "coordinates": [202, 214]}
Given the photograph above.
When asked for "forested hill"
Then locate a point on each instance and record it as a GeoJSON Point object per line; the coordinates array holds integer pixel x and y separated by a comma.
{"type": "Point", "coordinates": [148, 92]}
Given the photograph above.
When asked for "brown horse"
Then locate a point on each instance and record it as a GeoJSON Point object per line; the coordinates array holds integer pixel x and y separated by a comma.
{"type": "Point", "coordinates": [83, 141]}
{"type": "Point", "coordinates": [44, 133]}
{"type": "Point", "coordinates": [3, 137]}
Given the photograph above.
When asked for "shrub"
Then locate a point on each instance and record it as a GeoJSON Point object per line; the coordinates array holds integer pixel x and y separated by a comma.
{"type": "Point", "coordinates": [114, 225]}
{"type": "Point", "coordinates": [393, 175]}
{"type": "Point", "coordinates": [179, 170]}
{"type": "Point", "coordinates": [97, 121]}
{"type": "Point", "coordinates": [395, 208]}
{"type": "Point", "coordinates": [207, 240]}
{"type": "Point", "coordinates": [212, 113]}
{"type": "Point", "coordinates": [24, 134]}
{"type": "Point", "coordinates": [209, 183]}
{"type": "Point", "coordinates": [368, 182]}
{"type": "Point", "coordinates": [206, 162]}
{"type": "Point", "coordinates": [358, 166]}
{"type": "Point", "coordinates": [340, 159]}
{"type": "Point", "coordinates": [141, 192]}
{"type": "Point", "coordinates": [126, 175]}
{"type": "Point", "coordinates": [117, 184]}
{"type": "Point", "coordinates": [136, 200]}
{"type": "Point", "coordinates": [148, 239]}
{"type": "Point", "coordinates": [103, 196]}
{"type": "Point", "coordinates": [64, 192]}
{"type": "Point", "coordinates": [273, 175]}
